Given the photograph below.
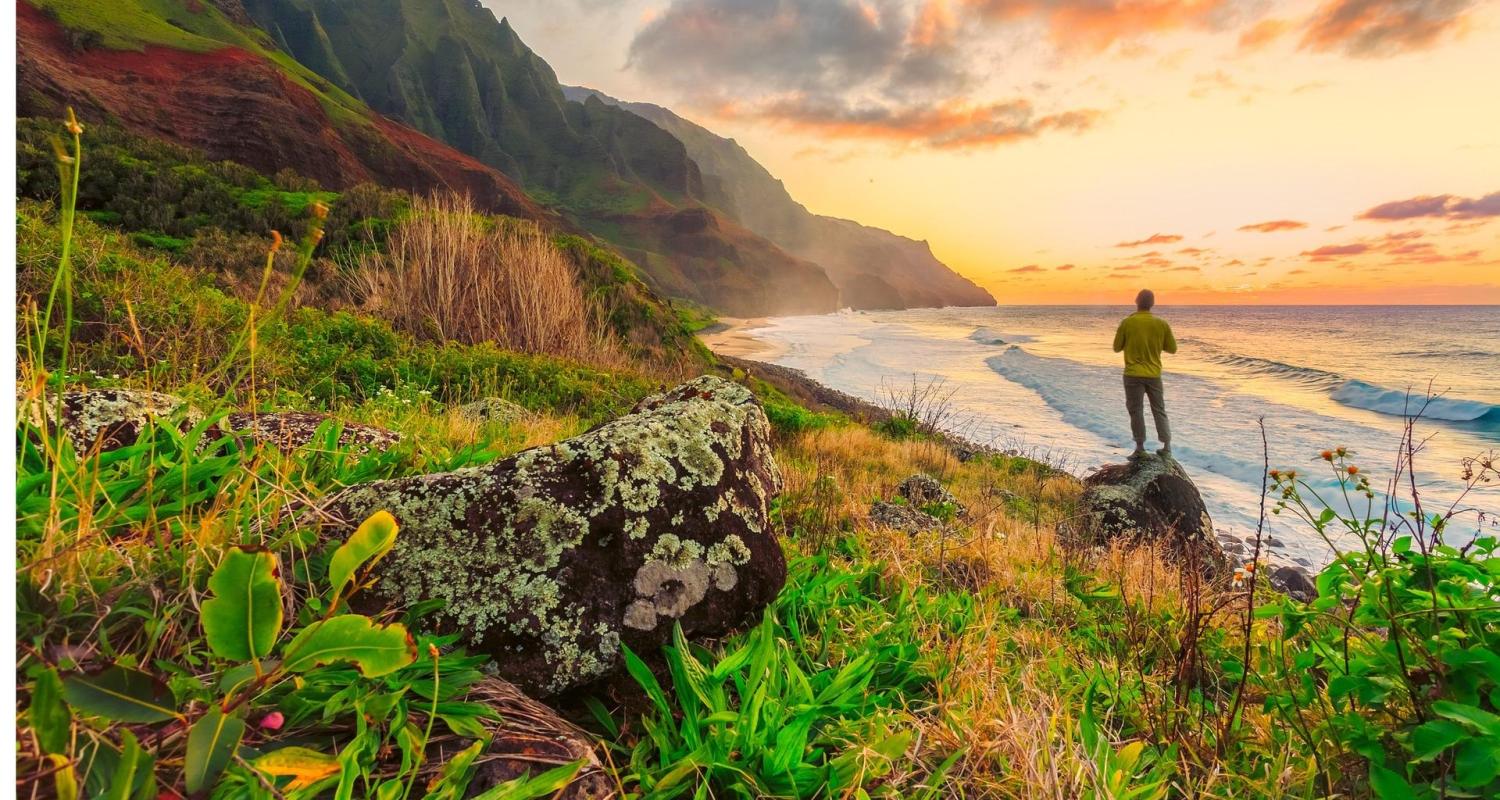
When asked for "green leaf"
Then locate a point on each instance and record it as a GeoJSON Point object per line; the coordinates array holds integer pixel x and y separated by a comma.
{"type": "Point", "coordinates": [1430, 739]}
{"type": "Point", "coordinates": [304, 766]}
{"type": "Point", "coordinates": [243, 618]}
{"type": "Point", "coordinates": [1477, 718]}
{"type": "Point", "coordinates": [454, 777]}
{"type": "Point", "coordinates": [376, 649]}
{"type": "Point", "coordinates": [50, 720]}
{"type": "Point", "coordinates": [368, 544]}
{"type": "Point", "coordinates": [64, 779]}
{"type": "Point", "coordinates": [134, 773]}
{"type": "Point", "coordinates": [120, 695]}
{"type": "Point", "coordinates": [1388, 785]}
{"type": "Point", "coordinates": [1477, 763]}
{"type": "Point", "coordinates": [530, 788]}
{"type": "Point", "coordinates": [211, 741]}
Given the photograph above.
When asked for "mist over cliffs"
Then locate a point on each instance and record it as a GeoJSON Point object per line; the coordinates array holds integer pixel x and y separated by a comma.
{"type": "Point", "coordinates": [873, 268]}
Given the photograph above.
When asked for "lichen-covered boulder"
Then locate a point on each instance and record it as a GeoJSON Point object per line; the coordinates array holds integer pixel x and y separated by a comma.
{"type": "Point", "coordinates": [289, 430]}
{"type": "Point", "coordinates": [551, 559]}
{"type": "Point", "coordinates": [493, 409]}
{"type": "Point", "coordinates": [925, 490]}
{"type": "Point", "coordinates": [108, 419]}
{"type": "Point", "coordinates": [1150, 499]}
{"type": "Point", "coordinates": [529, 738]}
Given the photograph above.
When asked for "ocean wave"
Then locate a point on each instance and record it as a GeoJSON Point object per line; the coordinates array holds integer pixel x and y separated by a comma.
{"type": "Point", "coordinates": [1406, 404]}
{"type": "Point", "coordinates": [1265, 366]}
{"type": "Point", "coordinates": [1448, 353]}
{"type": "Point", "coordinates": [993, 336]}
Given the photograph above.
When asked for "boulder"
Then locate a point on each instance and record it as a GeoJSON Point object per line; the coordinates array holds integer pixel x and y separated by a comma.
{"type": "Point", "coordinates": [553, 558]}
{"type": "Point", "coordinates": [288, 430]}
{"type": "Point", "coordinates": [530, 738]}
{"type": "Point", "coordinates": [925, 490]}
{"type": "Point", "coordinates": [1150, 499]}
{"type": "Point", "coordinates": [1294, 583]}
{"type": "Point", "coordinates": [108, 419]}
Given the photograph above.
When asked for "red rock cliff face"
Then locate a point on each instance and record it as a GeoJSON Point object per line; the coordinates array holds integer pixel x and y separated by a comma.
{"type": "Point", "coordinates": [234, 104]}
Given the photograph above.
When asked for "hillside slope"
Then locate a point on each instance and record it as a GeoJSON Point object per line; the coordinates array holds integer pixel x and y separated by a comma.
{"type": "Point", "coordinates": [872, 267]}
{"type": "Point", "coordinates": [452, 70]}
{"type": "Point", "coordinates": [193, 76]}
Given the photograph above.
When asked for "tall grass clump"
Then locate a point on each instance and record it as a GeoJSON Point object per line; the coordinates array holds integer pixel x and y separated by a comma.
{"type": "Point", "coordinates": [451, 273]}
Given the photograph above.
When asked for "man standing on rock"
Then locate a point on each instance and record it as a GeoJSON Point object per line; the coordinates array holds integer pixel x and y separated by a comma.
{"type": "Point", "coordinates": [1142, 337]}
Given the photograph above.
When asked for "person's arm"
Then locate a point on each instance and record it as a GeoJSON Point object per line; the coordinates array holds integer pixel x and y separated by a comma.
{"type": "Point", "coordinates": [1120, 337]}
{"type": "Point", "coordinates": [1170, 343]}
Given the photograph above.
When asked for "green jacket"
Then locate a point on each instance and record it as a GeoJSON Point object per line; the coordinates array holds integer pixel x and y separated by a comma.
{"type": "Point", "coordinates": [1143, 337]}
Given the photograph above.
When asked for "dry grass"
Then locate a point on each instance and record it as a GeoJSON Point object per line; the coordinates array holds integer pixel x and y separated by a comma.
{"type": "Point", "coordinates": [454, 274]}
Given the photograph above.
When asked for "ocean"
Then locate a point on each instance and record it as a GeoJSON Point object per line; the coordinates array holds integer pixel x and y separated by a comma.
{"type": "Point", "coordinates": [1042, 380]}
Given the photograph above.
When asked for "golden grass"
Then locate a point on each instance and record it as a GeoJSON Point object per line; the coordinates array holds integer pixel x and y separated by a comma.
{"type": "Point", "coordinates": [453, 274]}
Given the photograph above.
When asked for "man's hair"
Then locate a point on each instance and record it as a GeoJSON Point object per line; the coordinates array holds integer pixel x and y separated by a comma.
{"type": "Point", "coordinates": [1145, 300]}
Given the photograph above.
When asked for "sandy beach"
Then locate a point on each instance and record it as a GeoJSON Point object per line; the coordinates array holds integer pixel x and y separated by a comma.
{"type": "Point", "coordinates": [730, 336]}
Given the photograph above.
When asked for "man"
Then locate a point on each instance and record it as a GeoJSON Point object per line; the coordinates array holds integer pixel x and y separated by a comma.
{"type": "Point", "coordinates": [1142, 337]}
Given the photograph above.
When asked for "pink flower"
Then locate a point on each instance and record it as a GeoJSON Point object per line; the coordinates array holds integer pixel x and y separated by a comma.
{"type": "Point", "coordinates": [272, 721]}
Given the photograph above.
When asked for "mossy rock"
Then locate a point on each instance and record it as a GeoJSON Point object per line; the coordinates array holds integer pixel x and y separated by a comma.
{"type": "Point", "coordinates": [289, 430]}
{"type": "Point", "coordinates": [551, 559]}
{"type": "Point", "coordinates": [108, 419]}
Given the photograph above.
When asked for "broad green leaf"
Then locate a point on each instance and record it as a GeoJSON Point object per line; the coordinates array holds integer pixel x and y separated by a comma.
{"type": "Point", "coordinates": [368, 544]}
{"type": "Point", "coordinates": [1388, 785]}
{"type": "Point", "coordinates": [304, 766]}
{"type": "Point", "coordinates": [48, 716]}
{"type": "Point", "coordinates": [1469, 715]}
{"type": "Point", "coordinates": [1476, 764]}
{"type": "Point", "coordinates": [120, 695]}
{"type": "Point", "coordinates": [211, 741]}
{"type": "Point", "coordinates": [1430, 739]}
{"type": "Point", "coordinates": [243, 618]}
{"type": "Point", "coordinates": [376, 649]}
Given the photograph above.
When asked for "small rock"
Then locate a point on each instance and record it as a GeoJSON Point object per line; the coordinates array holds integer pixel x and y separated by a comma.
{"type": "Point", "coordinates": [925, 490]}
{"type": "Point", "coordinates": [1294, 583]}
{"type": "Point", "coordinates": [493, 409]}
{"type": "Point", "coordinates": [290, 430]}
{"type": "Point", "coordinates": [902, 517]}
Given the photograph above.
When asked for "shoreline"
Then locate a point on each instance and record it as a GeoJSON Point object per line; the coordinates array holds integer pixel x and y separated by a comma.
{"type": "Point", "coordinates": [730, 336]}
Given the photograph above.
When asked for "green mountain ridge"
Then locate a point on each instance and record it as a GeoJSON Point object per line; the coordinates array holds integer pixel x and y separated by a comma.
{"type": "Point", "coordinates": [872, 267]}
{"type": "Point", "coordinates": [452, 70]}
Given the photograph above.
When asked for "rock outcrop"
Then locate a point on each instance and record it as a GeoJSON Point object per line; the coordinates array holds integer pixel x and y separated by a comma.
{"type": "Point", "coordinates": [108, 419]}
{"type": "Point", "coordinates": [552, 559]}
{"type": "Point", "coordinates": [530, 738]}
{"type": "Point", "coordinates": [493, 409]}
{"type": "Point", "coordinates": [924, 490]}
{"type": "Point", "coordinates": [289, 430]}
{"type": "Point", "coordinates": [1294, 582]}
{"type": "Point", "coordinates": [1150, 499]}
{"type": "Point", "coordinates": [919, 494]}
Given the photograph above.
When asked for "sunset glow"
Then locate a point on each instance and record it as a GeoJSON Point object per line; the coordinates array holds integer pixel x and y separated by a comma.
{"type": "Point", "coordinates": [1346, 151]}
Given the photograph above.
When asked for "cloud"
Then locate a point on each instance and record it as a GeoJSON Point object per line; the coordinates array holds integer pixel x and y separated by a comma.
{"type": "Point", "coordinates": [1027, 268]}
{"type": "Point", "coordinates": [1274, 225]}
{"type": "Point", "coordinates": [1065, 267]}
{"type": "Point", "coordinates": [1158, 238]}
{"type": "Point", "coordinates": [1262, 34]}
{"type": "Point", "coordinates": [948, 126]}
{"type": "Point", "coordinates": [891, 70]}
{"type": "Point", "coordinates": [1096, 24]}
{"type": "Point", "coordinates": [1441, 206]}
{"type": "Point", "coordinates": [1328, 252]}
{"type": "Point", "coordinates": [1376, 28]}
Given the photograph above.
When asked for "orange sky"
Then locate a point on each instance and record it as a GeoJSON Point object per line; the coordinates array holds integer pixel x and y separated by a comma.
{"type": "Point", "coordinates": [1345, 151]}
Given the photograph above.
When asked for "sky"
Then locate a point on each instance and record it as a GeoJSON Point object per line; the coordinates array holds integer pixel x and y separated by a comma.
{"type": "Point", "coordinates": [1073, 151]}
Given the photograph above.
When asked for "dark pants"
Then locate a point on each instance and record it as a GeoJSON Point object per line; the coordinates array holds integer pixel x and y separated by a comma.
{"type": "Point", "coordinates": [1137, 388]}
